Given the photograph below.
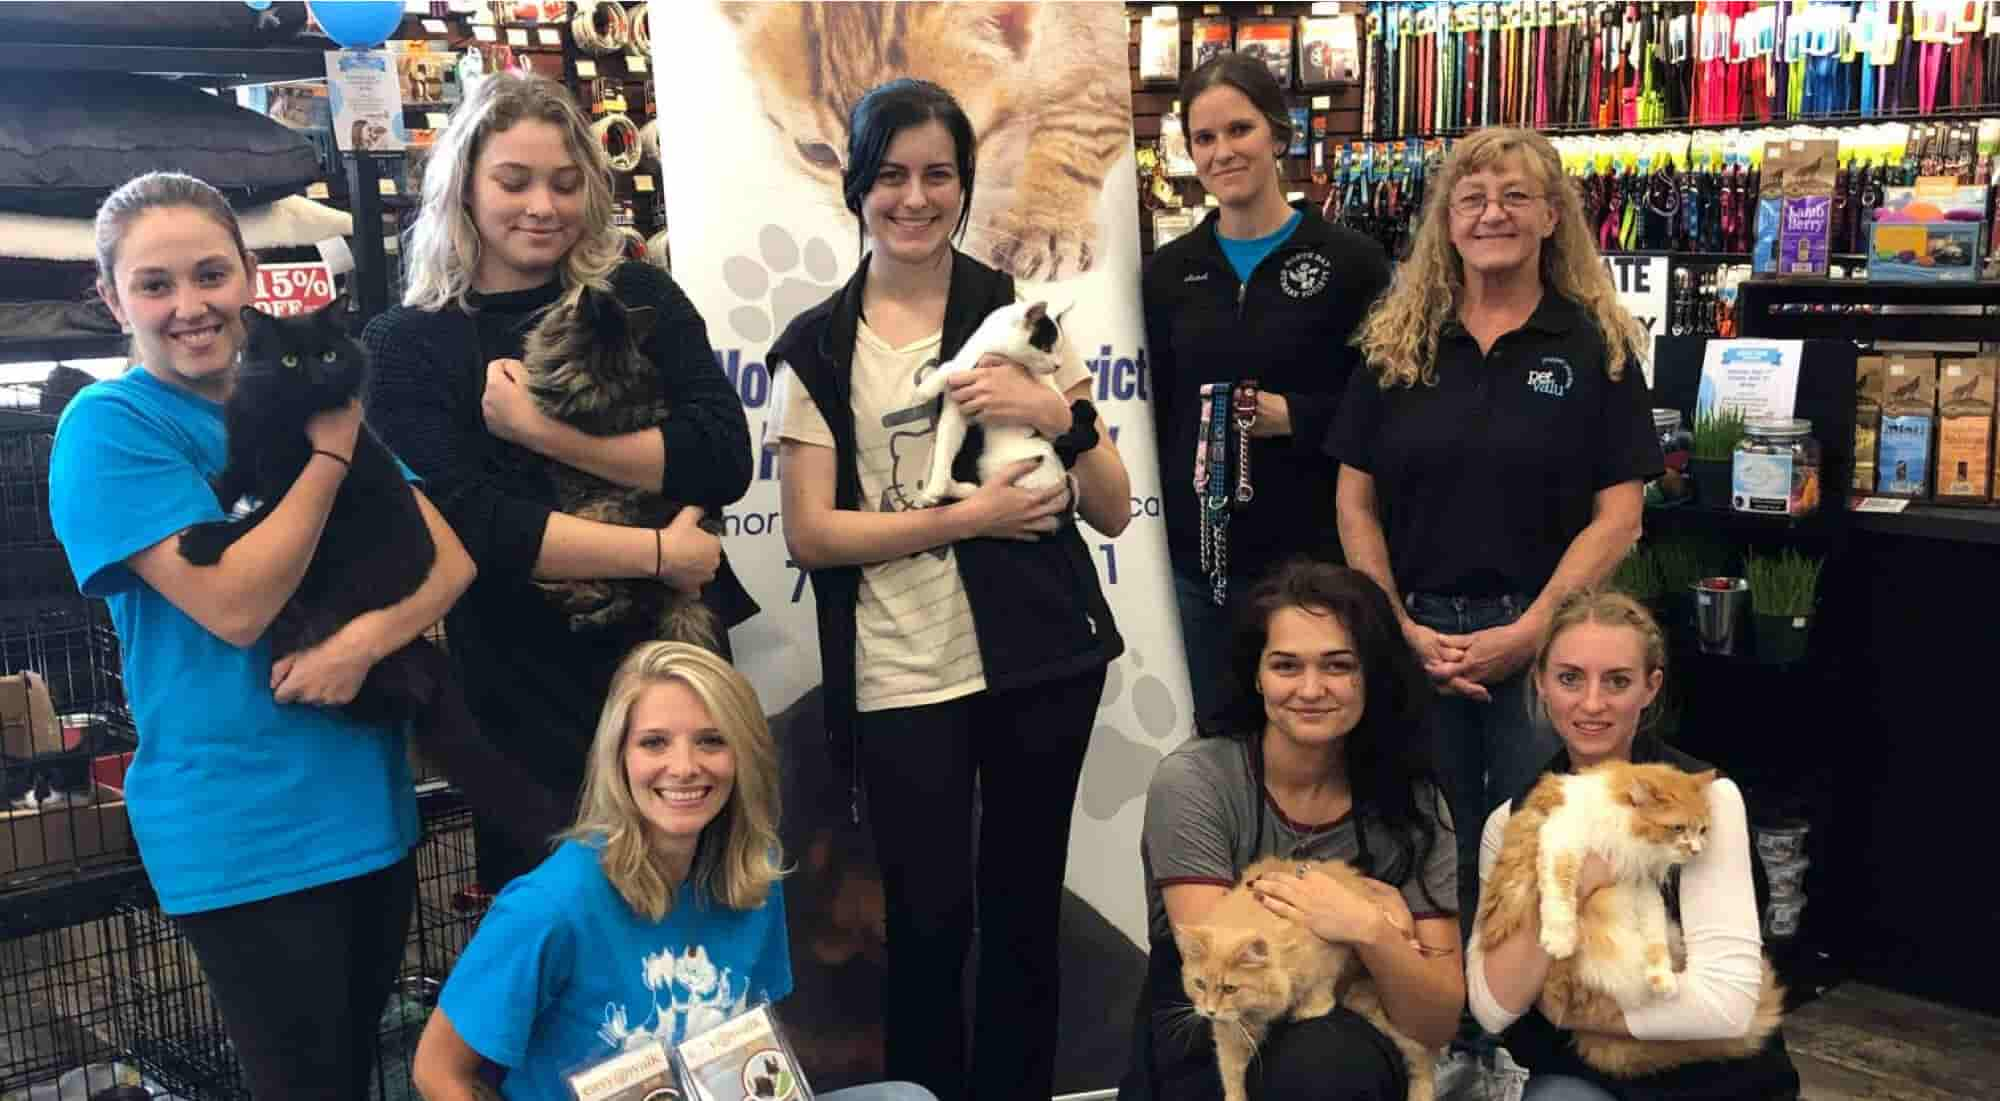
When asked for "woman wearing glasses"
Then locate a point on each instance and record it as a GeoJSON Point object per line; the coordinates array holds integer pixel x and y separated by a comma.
{"type": "Point", "coordinates": [1492, 459]}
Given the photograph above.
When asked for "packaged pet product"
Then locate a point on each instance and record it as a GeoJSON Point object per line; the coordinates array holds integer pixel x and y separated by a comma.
{"type": "Point", "coordinates": [1965, 430]}
{"type": "Point", "coordinates": [1930, 233]}
{"type": "Point", "coordinates": [1805, 230]}
{"type": "Point", "coordinates": [746, 1058]}
{"type": "Point", "coordinates": [1770, 209]}
{"type": "Point", "coordinates": [1160, 46]}
{"type": "Point", "coordinates": [1903, 458]}
{"type": "Point", "coordinates": [1868, 375]}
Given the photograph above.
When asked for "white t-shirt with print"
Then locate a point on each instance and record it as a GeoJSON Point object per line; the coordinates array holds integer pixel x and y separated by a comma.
{"type": "Point", "coordinates": [913, 636]}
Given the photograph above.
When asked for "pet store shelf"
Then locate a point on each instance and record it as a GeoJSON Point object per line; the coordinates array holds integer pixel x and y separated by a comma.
{"type": "Point", "coordinates": [44, 349]}
{"type": "Point", "coordinates": [1953, 524]}
{"type": "Point", "coordinates": [1868, 311]}
{"type": "Point", "coordinates": [217, 66]}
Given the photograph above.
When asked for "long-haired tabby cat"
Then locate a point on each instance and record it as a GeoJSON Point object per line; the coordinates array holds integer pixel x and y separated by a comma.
{"type": "Point", "coordinates": [1245, 968]}
{"type": "Point", "coordinates": [374, 551]}
{"type": "Point", "coordinates": [1620, 948]}
{"type": "Point", "coordinates": [586, 368]}
{"type": "Point", "coordinates": [1045, 86]}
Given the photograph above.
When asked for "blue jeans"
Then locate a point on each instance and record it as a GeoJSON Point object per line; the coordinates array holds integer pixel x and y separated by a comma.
{"type": "Point", "coordinates": [881, 1091]}
{"type": "Point", "coordinates": [1486, 753]}
{"type": "Point", "coordinates": [1206, 631]}
{"type": "Point", "coordinates": [1561, 1087]}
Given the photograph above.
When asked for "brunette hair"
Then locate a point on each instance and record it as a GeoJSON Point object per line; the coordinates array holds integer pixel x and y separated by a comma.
{"type": "Point", "coordinates": [1248, 75]}
{"type": "Point", "coordinates": [886, 111]}
{"type": "Point", "coordinates": [156, 190]}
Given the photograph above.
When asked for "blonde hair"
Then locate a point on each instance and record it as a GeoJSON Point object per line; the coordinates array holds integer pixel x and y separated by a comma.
{"type": "Point", "coordinates": [1606, 608]}
{"type": "Point", "coordinates": [443, 246]}
{"type": "Point", "coordinates": [1399, 337]}
{"type": "Point", "coordinates": [737, 858]}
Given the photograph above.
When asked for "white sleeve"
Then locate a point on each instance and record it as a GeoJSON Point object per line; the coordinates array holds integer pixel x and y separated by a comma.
{"type": "Point", "coordinates": [1725, 946]}
{"type": "Point", "coordinates": [1490, 1014]}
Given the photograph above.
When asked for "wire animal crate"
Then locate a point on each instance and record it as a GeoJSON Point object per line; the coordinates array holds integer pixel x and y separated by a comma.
{"type": "Point", "coordinates": [94, 975]}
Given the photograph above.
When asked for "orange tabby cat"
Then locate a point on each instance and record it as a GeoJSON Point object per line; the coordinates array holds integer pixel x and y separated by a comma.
{"type": "Point", "coordinates": [1045, 86]}
{"type": "Point", "coordinates": [1620, 948]}
{"type": "Point", "coordinates": [1245, 968]}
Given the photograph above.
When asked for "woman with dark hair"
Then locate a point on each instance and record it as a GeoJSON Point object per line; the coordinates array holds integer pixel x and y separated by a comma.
{"type": "Point", "coordinates": [1257, 274]}
{"type": "Point", "coordinates": [1322, 763]}
{"type": "Point", "coordinates": [960, 643]}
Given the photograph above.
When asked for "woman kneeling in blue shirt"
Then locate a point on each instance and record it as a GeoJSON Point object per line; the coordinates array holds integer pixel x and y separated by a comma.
{"type": "Point", "coordinates": [660, 916]}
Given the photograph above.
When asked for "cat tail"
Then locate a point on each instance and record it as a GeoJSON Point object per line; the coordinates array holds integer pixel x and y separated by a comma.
{"type": "Point", "coordinates": [1625, 1057]}
{"type": "Point", "coordinates": [690, 620]}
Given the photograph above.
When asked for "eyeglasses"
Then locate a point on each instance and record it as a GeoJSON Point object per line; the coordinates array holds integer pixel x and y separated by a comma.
{"type": "Point", "coordinates": [1474, 205]}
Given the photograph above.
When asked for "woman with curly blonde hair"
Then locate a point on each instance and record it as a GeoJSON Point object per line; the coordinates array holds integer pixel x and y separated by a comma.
{"type": "Point", "coordinates": [1492, 459]}
{"type": "Point", "coordinates": [516, 220]}
{"type": "Point", "coordinates": [661, 915]}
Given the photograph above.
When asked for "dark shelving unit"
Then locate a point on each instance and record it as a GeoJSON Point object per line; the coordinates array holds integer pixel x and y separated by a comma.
{"type": "Point", "coordinates": [1863, 309]}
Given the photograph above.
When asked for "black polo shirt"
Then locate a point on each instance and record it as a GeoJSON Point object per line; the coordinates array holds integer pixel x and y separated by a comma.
{"type": "Point", "coordinates": [1484, 479]}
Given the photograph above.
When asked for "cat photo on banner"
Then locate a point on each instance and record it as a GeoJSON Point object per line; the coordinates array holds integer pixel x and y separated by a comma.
{"type": "Point", "coordinates": [751, 161]}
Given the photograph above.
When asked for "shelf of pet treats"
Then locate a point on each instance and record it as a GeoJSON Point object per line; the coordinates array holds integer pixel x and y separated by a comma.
{"type": "Point", "coordinates": [1869, 309]}
{"type": "Point", "coordinates": [1673, 126]}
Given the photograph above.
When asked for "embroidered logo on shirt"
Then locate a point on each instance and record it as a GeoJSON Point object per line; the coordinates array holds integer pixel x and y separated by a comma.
{"type": "Point", "coordinates": [1198, 277]}
{"type": "Point", "coordinates": [1553, 378]}
{"type": "Point", "coordinates": [1305, 274]}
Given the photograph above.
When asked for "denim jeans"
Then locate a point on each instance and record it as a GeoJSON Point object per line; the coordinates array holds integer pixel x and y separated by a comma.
{"type": "Point", "coordinates": [1543, 1087]}
{"type": "Point", "coordinates": [1486, 753]}
{"type": "Point", "coordinates": [1205, 635]}
{"type": "Point", "coordinates": [881, 1091]}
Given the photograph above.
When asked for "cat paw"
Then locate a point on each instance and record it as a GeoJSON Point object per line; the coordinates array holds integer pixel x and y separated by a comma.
{"type": "Point", "coordinates": [1559, 940]}
{"type": "Point", "coordinates": [923, 498]}
{"type": "Point", "coordinates": [961, 490]}
{"type": "Point", "coordinates": [1030, 247]}
{"type": "Point", "coordinates": [1663, 982]}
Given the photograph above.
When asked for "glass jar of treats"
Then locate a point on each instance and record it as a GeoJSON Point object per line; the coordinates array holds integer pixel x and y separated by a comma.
{"type": "Point", "coordinates": [1776, 469]}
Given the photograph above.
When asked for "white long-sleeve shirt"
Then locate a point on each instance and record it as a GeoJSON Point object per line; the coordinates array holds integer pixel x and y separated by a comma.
{"type": "Point", "coordinates": [1719, 924]}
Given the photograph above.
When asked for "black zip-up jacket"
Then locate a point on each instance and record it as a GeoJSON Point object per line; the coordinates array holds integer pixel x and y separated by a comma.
{"type": "Point", "coordinates": [1037, 608]}
{"type": "Point", "coordinates": [1288, 328]}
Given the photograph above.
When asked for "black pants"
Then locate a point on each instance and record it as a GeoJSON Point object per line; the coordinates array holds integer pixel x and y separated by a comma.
{"type": "Point", "coordinates": [300, 980]}
{"type": "Point", "coordinates": [1338, 1057]}
{"type": "Point", "coordinates": [1026, 749]}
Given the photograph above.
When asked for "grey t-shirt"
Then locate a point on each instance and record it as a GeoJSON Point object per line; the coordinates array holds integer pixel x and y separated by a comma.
{"type": "Point", "coordinates": [1200, 818]}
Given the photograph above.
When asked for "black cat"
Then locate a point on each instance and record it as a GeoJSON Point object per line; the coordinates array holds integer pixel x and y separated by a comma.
{"type": "Point", "coordinates": [374, 551]}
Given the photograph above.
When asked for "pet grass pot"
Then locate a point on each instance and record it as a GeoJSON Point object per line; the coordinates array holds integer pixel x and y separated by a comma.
{"type": "Point", "coordinates": [1711, 481]}
{"type": "Point", "coordinates": [1781, 639]}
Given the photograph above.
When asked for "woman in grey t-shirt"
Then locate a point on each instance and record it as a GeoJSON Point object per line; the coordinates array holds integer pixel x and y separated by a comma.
{"type": "Point", "coordinates": [1331, 764]}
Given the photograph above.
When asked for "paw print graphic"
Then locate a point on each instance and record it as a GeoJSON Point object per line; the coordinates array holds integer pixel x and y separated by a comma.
{"type": "Point", "coordinates": [781, 282]}
{"type": "Point", "coordinates": [1119, 767]}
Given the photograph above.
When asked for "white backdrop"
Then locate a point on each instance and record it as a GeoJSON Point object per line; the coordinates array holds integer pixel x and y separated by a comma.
{"type": "Point", "coordinates": [754, 242]}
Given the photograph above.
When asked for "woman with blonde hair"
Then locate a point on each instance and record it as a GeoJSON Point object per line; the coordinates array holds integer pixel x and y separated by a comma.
{"type": "Point", "coordinates": [660, 915]}
{"type": "Point", "coordinates": [1492, 459]}
{"type": "Point", "coordinates": [516, 219]}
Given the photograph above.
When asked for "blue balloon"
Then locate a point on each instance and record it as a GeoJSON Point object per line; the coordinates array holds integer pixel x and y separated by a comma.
{"type": "Point", "coordinates": [358, 24]}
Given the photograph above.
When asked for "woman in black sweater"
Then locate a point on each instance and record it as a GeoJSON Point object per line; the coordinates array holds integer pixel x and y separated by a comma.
{"type": "Point", "coordinates": [516, 213]}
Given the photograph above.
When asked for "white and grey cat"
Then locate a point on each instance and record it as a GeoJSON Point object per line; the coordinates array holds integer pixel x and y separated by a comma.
{"type": "Point", "coordinates": [1025, 332]}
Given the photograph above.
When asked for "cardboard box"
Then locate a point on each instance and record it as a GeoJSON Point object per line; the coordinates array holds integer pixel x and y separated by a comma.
{"type": "Point", "coordinates": [1965, 396]}
{"type": "Point", "coordinates": [1868, 375]}
{"type": "Point", "coordinates": [1909, 427]}
{"type": "Point", "coordinates": [1930, 233]}
{"type": "Point", "coordinates": [35, 839]}
{"type": "Point", "coordinates": [28, 725]}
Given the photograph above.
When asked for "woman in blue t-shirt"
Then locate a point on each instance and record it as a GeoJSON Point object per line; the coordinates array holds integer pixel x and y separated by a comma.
{"type": "Point", "coordinates": [266, 818]}
{"type": "Point", "coordinates": [659, 917]}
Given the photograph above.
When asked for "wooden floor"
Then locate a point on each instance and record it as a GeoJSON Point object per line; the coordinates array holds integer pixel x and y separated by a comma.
{"type": "Point", "coordinates": [1859, 1041]}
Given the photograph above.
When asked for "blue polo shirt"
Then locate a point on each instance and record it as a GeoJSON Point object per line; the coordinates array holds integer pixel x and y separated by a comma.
{"type": "Point", "coordinates": [233, 796]}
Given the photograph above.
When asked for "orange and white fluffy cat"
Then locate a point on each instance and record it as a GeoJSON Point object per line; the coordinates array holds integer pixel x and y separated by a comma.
{"type": "Point", "coordinates": [1245, 968]}
{"type": "Point", "coordinates": [1045, 86]}
{"type": "Point", "coordinates": [1620, 949]}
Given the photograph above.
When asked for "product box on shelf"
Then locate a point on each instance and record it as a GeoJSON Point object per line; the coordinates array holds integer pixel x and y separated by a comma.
{"type": "Point", "coordinates": [79, 829]}
{"type": "Point", "coordinates": [28, 724]}
{"type": "Point", "coordinates": [1805, 226]}
{"type": "Point", "coordinates": [1965, 396]}
{"type": "Point", "coordinates": [1930, 233]}
{"type": "Point", "coordinates": [1903, 458]}
{"type": "Point", "coordinates": [1868, 374]}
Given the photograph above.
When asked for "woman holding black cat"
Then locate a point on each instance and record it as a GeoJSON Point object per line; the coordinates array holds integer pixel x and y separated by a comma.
{"type": "Point", "coordinates": [267, 818]}
{"type": "Point", "coordinates": [1324, 768]}
{"type": "Point", "coordinates": [959, 643]}
{"type": "Point", "coordinates": [516, 214]}
{"type": "Point", "coordinates": [1596, 674]}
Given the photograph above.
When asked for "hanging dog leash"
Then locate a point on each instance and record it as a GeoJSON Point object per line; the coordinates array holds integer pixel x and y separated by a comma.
{"type": "Point", "coordinates": [1211, 488]}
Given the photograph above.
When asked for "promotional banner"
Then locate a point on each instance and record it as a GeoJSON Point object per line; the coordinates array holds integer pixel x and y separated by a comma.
{"type": "Point", "coordinates": [754, 101]}
{"type": "Point", "coordinates": [1642, 290]}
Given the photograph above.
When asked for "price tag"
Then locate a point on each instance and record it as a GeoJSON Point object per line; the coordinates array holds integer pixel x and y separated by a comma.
{"type": "Point", "coordinates": [1881, 504]}
{"type": "Point", "coordinates": [516, 36]}
{"type": "Point", "coordinates": [286, 290]}
{"type": "Point", "coordinates": [586, 68]}
{"type": "Point", "coordinates": [635, 63]}
{"type": "Point", "coordinates": [642, 183]}
{"type": "Point", "coordinates": [316, 190]}
{"type": "Point", "coordinates": [385, 186]}
{"type": "Point", "coordinates": [435, 26]}
{"type": "Point", "coordinates": [436, 120]}
{"type": "Point", "coordinates": [1322, 103]}
{"type": "Point", "coordinates": [549, 36]}
{"type": "Point", "coordinates": [485, 33]}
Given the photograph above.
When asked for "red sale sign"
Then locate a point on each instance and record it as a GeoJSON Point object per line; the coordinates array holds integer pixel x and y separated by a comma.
{"type": "Point", "coordinates": [286, 290]}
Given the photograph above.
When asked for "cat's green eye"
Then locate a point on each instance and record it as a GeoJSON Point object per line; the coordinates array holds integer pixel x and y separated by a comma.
{"type": "Point", "coordinates": [328, 356]}
{"type": "Point", "coordinates": [289, 360]}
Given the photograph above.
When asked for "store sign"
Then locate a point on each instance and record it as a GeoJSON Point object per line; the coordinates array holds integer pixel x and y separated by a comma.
{"type": "Point", "coordinates": [1642, 290]}
{"type": "Point", "coordinates": [287, 290]}
{"type": "Point", "coordinates": [754, 249]}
